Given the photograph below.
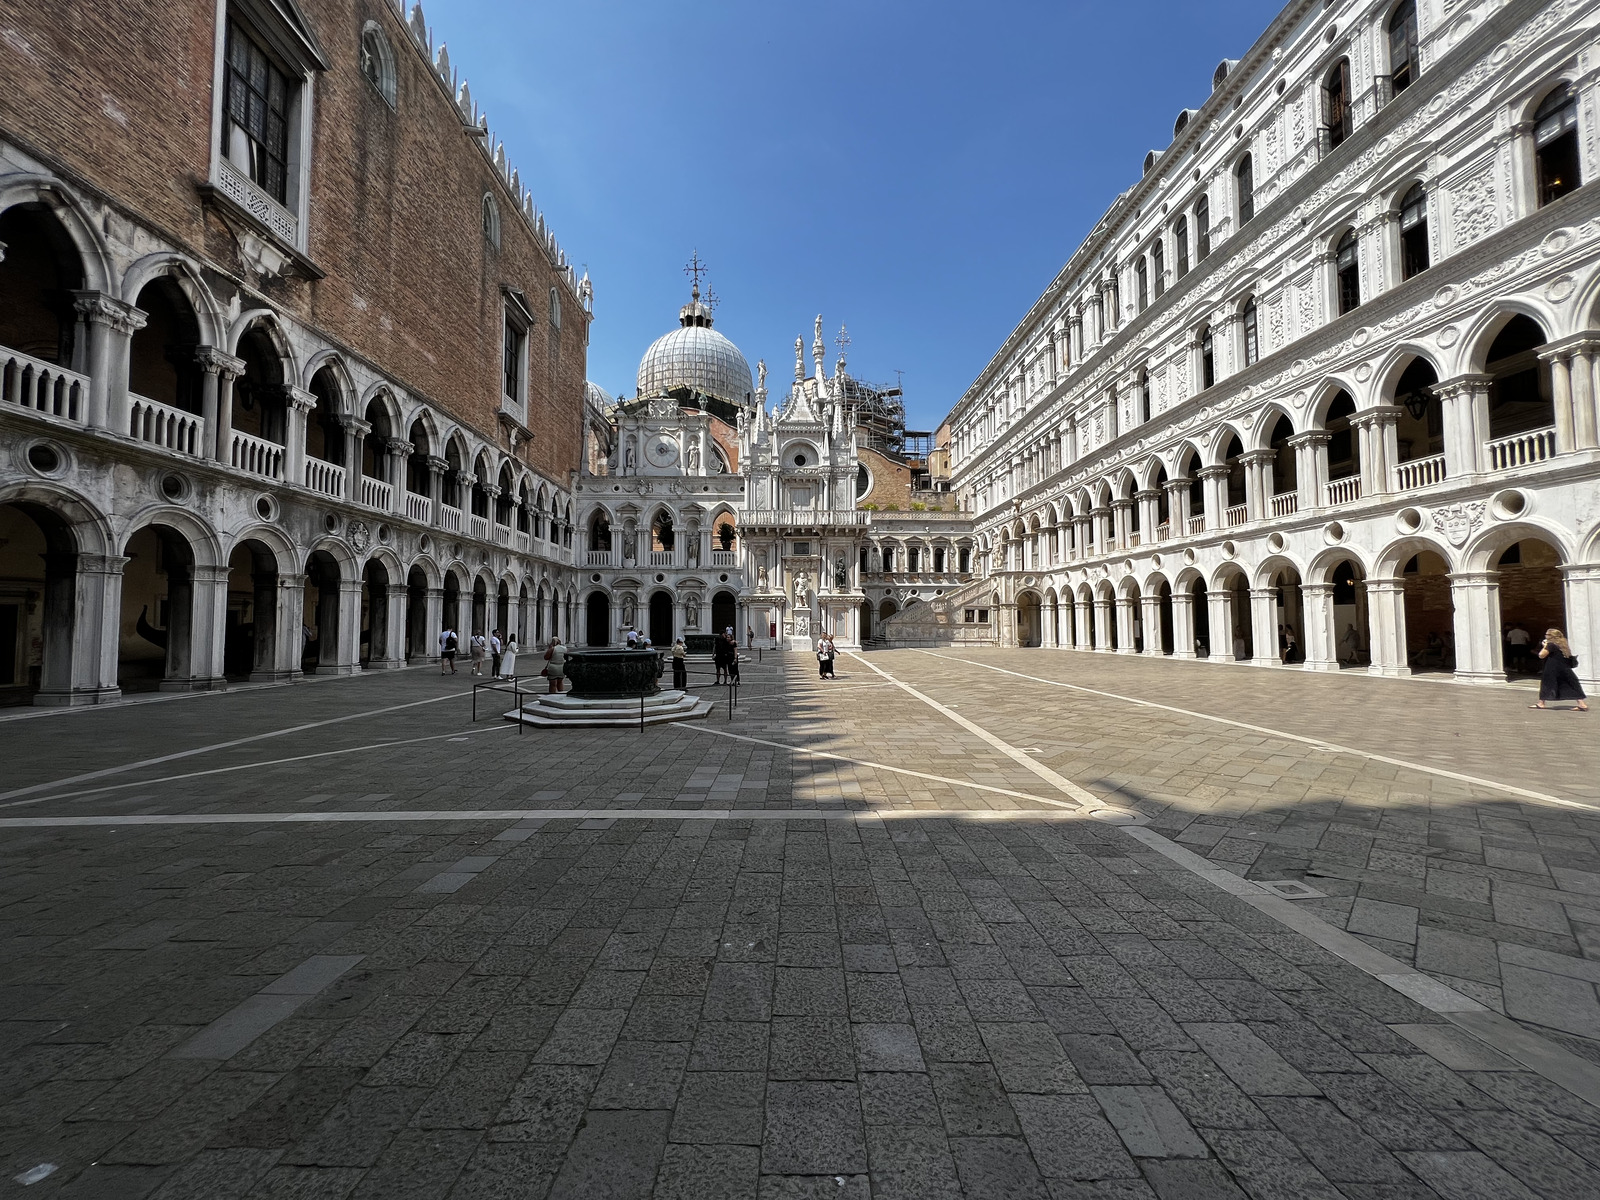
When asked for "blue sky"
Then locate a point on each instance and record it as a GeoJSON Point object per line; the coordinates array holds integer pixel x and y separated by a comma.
{"type": "Point", "coordinates": [918, 171]}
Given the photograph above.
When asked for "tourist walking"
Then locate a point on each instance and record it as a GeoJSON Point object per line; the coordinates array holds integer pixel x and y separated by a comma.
{"type": "Point", "coordinates": [723, 652]}
{"type": "Point", "coordinates": [732, 644]}
{"type": "Point", "coordinates": [448, 644]}
{"type": "Point", "coordinates": [1291, 645]}
{"type": "Point", "coordinates": [1518, 640]}
{"type": "Point", "coordinates": [1559, 681]}
{"type": "Point", "coordinates": [479, 646]}
{"type": "Point", "coordinates": [555, 664]}
{"type": "Point", "coordinates": [680, 666]}
{"type": "Point", "coordinates": [825, 656]}
{"type": "Point", "coordinates": [508, 660]}
{"type": "Point", "coordinates": [496, 648]}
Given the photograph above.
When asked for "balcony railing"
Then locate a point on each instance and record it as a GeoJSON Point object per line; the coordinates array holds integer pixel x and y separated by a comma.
{"type": "Point", "coordinates": [376, 493]}
{"type": "Point", "coordinates": [478, 527]}
{"type": "Point", "coordinates": [158, 424]}
{"type": "Point", "coordinates": [325, 477]}
{"type": "Point", "coordinates": [419, 508]}
{"type": "Point", "coordinates": [1197, 524]}
{"type": "Point", "coordinates": [724, 558]}
{"type": "Point", "coordinates": [256, 456]}
{"type": "Point", "coordinates": [1285, 504]}
{"type": "Point", "coordinates": [1163, 531]}
{"type": "Point", "coordinates": [42, 387]}
{"type": "Point", "coordinates": [449, 518]}
{"type": "Point", "coordinates": [1419, 473]}
{"type": "Point", "coordinates": [1344, 491]}
{"type": "Point", "coordinates": [661, 558]}
{"type": "Point", "coordinates": [1522, 449]}
{"type": "Point", "coordinates": [502, 535]}
{"type": "Point", "coordinates": [522, 541]}
{"type": "Point", "coordinates": [597, 558]}
{"type": "Point", "coordinates": [1236, 514]}
{"type": "Point", "coordinates": [248, 196]}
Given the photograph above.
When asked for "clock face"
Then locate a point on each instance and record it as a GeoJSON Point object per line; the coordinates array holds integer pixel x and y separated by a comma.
{"type": "Point", "coordinates": [661, 451]}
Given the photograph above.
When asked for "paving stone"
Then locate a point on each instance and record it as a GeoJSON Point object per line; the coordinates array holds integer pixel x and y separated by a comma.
{"type": "Point", "coordinates": [971, 1099]}
{"type": "Point", "coordinates": [1256, 1067]}
{"type": "Point", "coordinates": [1393, 922]}
{"type": "Point", "coordinates": [1465, 1175]}
{"type": "Point", "coordinates": [615, 1154]}
{"type": "Point", "coordinates": [641, 1075]}
{"type": "Point", "coordinates": [717, 1107]}
{"type": "Point", "coordinates": [708, 1173]}
{"type": "Point", "coordinates": [887, 1047]}
{"type": "Point", "coordinates": [813, 1129]}
{"type": "Point", "coordinates": [997, 1166]}
{"type": "Point", "coordinates": [1148, 1123]}
{"type": "Point", "coordinates": [812, 1048]}
{"type": "Point", "coordinates": [898, 1098]}
{"type": "Point", "coordinates": [910, 1162]}
{"type": "Point", "coordinates": [1177, 1179]}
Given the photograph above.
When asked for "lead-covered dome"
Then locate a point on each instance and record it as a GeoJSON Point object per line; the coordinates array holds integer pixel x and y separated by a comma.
{"type": "Point", "coordinates": [697, 357]}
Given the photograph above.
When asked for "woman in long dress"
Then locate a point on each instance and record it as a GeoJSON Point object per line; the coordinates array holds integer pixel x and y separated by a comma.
{"type": "Point", "coordinates": [1559, 681]}
{"type": "Point", "coordinates": [508, 660]}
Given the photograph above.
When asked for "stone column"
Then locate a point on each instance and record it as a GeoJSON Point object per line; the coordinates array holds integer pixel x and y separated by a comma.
{"type": "Point", "coordinates": [1321, 637]}
{"type": "Point", "coordinates": [1101, 517]}
{"type": "Point", "coordinates": [1220, 619]}
{"type": "Point", "coordinates": [208, 622]}
{"type": "Point", "coordinates": [346, 659]}
{"type": "Point", "coordinates": [217, 367]}
{"type": "Point", "coordinates": [1386, 627]}
{"type": "Point", "coordinates": [1311, 468]}
{"type": "Point", "coordinates": [1183, 625]}
{"type": "Point", "coordinates": [1369, 455]}
{"type": "Point", "coordinates": [291, 605]}
{"type": "Point", "coordinates": [1264, 627]}
{"type": "Point", "coordinates": [1561, 393]}
{"type": "Point", "coordinates": [355, 433]}
{"type": "Point", "coordinates": [399, 450]}
{"type": "Point", "coordinates": [1475, 596]}
{"type": "Point", "coordinates": [1121, 522]}
{"type": "Point", "coordinates": [1082, 528]}
{"type": "Point", "coordinates": [394, 647]}
{"type": "Point", "coordinates": [1082, 625]}
{"type": "Point", "coordinates": [80, 650]}
{"type": "Point", "coordinates": [298, 404]}
{"type": "Point", "coordinates": [1581, 591]}
{"type": "Point", "coordinates": [111, 325]}
{"type": "Point", "coordinates": [1215, 481]}
{"type": "Point", "coordinates": [1103, 617]}
{"type": "Point", "coordinates": [1149, 502]}
{"type": "Point", "coordinates": [1466, 423]}
{"type": "Point", "coordinates": [1177, 507]}
{"type": "Point", "coordinates": [225, 382]}
{"type": "Point", "coordinates": [1150, 609]}
{"type": "Point", "coordinates": [1585, 418]}
{"type": "Point", "coordinates": [1258, 483]}
{"type": "Point", "coordinates": [1126, 642]}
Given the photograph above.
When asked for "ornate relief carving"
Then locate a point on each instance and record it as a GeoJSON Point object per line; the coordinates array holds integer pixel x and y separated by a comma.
{"type": "Point", "coordinates": [1458, 521]}
{"type": "Point", "coordinates": [1473, 207]}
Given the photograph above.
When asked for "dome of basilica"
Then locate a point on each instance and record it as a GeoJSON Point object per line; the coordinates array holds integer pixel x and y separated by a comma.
{"type": "Point", "coordinates": [697, 357]}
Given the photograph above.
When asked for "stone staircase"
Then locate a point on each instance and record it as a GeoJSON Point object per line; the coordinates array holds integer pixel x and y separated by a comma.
{"type": "Point", "coordinates": [938, 622]}
{"type": "Point", "coordinates": [565, 709]}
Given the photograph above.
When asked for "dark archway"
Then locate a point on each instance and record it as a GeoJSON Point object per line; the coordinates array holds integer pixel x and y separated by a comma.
{"type": "Point", "coordinates": [1200, 608]}
{"type": "Point", "coordinates": [161, 358]}
{"type": "Point", "coordinates": [661, 619]}
{"type": "Point", "coordinates": [375, 612]}
{"type": "Point", "coordinates": [320, 633]}
{"type": "Point", "coordinates": [38, 275]}
{"type": "Point", "coordinates": [1420, 428]}
{"type": "Point", "coordinates": [451, 616]}
{"type": "Point", "coordinates": [1430, 613]}
{"type": "Point", "coordinates": [418, 644]}
{"type": "Point", "coordinates": [480, 607]}
{"type": "Point", "coordinates": [1520, 394]}
{"type": "Point", "coordinates": [1029, 623]}
{"type": "Point", "coordinates": [1351, 644]}
{"type": "Point", "coordinates": [1532, 598]}
{"type": "Point", "coordinates": [724, 612]}
{"type": "Point", "coordinates": [250, 644]}
{"type": "Point", "coordinates": [502, 609]}
{"type": "Point", "coordinates": [1168, 642]}
{"type": "Point", "coordinates": [156, 643]}
{"type": "Point", "coordinates": [38, 603]}
{"type": "Point", "coordinates": [597, 610]}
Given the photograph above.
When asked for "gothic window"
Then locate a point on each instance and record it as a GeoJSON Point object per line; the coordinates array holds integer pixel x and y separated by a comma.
{"type": "Point", "coordinates": [1180, 239]}
{"type": "Point", "coordinates": [1144, 395]}
{"type": "Point", "coordinates": [555, 308]}
{"type": "Point", "coordinates": [1404, 63]}
{"type": "Point", "coordinates": [1414, 232]}
{"type": "Point", "coordinates": [1158, 266]}
{"type": "Point", "coordinates": [1245, 177]}
{"type": "Point", "coordinates": [377, 62]}
{"type": "Point", "coordinates": [1555, 140]}
{"type": "Point", "coordinates": [1347, 265]}
{"type": "Point", "coordinates": [1252, 333]}
{"type": "Point", "coordinates": [257, 97]}
{"type": "Point", "coordinates": [1202, 229]}
{"type": "Point", "coordinates": [1143, 274]}
{"type": "Point", "coordinates": [491, 220]}
{"type": "Point", "coordinates": [1336, 102]}
{"type": "Point", "coordinates": [1208, 359]}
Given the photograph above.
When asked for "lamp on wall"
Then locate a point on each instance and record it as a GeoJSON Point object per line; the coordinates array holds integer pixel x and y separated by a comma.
{"type": "Point", "coordinates": [1416, 403]}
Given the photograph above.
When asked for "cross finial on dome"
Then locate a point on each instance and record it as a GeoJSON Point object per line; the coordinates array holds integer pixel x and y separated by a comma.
{"type": "Point", "coordinates": [695, 269]}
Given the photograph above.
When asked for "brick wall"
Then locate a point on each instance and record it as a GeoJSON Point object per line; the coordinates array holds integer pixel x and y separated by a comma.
{"type": "Point", "coordinates": [122, 102]}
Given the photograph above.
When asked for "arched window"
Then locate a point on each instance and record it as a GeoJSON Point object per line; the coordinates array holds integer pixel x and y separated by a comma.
{"type": "Point", "coordinates": [1347, 265]}
{"type": "Point", "coordinates": [1403, 60]}
{"type": "Point", "coordinates": [377, 62]}
{"type": "Point", "coordinates": [1336, 103]}
{"type": "Point", "coordinates": [1142, 273]}
{"type": "Point", "coordinates": [1144, 395]}
{"type": "Point", "coordinates": [1208, 359]}
{"type": "Point", "coordinates": [1244, 176]}
{"type": "Point", "coordinates": [555, 308]}
{"type": "Point", "coordinates": [491, 220]}
{"type": "Point", "coordinates": [1252, 333]}
{"type": "Point", "coordinates": [1555, 140]}
{"type": "Point", "coordinates": [1414, 232]}
{"type": "Point", "coordinates": [1202, 229]}
{"type": "Point", "coordinates": [1180, 241]}
{"type": "Point", "coordinates": [1158, 266]}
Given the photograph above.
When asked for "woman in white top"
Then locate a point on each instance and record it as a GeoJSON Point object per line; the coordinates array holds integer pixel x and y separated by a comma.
{"type": "Point", "coordinates": [508, 659]}
{"type": "Point", "coordinates": [555, 664]}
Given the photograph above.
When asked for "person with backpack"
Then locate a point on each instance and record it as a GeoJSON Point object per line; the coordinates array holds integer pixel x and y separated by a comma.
{"type": "Point", "coordinates": [479, 646]}
{"type": "Point", "coordinates": [448, 645]}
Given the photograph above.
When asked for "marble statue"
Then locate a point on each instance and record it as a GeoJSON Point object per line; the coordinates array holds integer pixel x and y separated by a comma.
{"type": "Point", "coordinates": [802, 584]}
{"type": "Point", "coordinates": [694, 455]}
{"type": "Point", "coordinates": [761, 578]}
{"type": "Point", "coordinates": [841, 574]}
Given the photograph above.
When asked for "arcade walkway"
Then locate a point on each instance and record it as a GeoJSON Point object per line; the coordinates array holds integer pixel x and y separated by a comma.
{"type": "Point", "coordinates": [974, 923]}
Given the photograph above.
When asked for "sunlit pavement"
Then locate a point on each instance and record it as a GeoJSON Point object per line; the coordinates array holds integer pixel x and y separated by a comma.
{"type": "Point", "coordinates": [987, 923]}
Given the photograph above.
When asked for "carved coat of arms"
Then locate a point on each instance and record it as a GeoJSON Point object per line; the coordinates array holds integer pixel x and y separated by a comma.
{"type": "Point", "coordinates": [1457, 521]}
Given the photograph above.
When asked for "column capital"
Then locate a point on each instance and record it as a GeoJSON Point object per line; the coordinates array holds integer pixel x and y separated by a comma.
{"type": "Point", "coordinates": [99, 308]}
{"type": "Point", "coordinates": [1253, 458]}
{"type": "Point", "coordinates": [1266, 593]}
{"type": "Point", "coordinates": [299, 399]}
{"type": "Point", "coordinates": [398, 446]}
{"type": "Point", "coordinates": [354, 424]}
{"type": "Point", "coordinates": [1578, 343]}
{"type": "Point", "coordinates": [1473, 578]}
{"type": "Point", "coordinates": [1218, 471]}
{"type": "Point", "coordinates": [1123, 502]}
{"type": "Point", "coordinates": [1316, 589]}
{"type": "Point", "coordinates": [214, 362]}
{"type": "Point", "coordinates": [101, 564]}
{"type": "Point", "coordinates": [1148, 493]}
{"type": "Point", "coordinates": [438, 465]}
{"type": "Point", "coordinates": [1311, 437]}
{"type": "Point", "coordinates": [1376, 417]}
{"type": "Point", "coordinates": [1461, 385]}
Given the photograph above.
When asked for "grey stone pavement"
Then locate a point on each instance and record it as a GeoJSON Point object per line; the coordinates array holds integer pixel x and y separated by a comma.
{"type": "Point", "coordinates": [337, 940]}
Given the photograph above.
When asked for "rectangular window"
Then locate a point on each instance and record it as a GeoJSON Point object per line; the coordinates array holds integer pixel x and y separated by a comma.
{"type": "Point", "coordinates": [256, 101]}
{"type": "Point", "coordinates": [516, 341]}
{"type": "Point", "coordinates": [913, 559]}
{"type": "Point", "coordinates": [983, 616]}
{"type": "Point", "coordinates": [964, 559]}
{"type": "Point", "coordinates": [1158, 267]}
{"type": "Point", "coordinates": [801, 547]}
{"type": "Point", "coordinates": [1180, 235]}
{"type": "Point", "coordinates": [1202, 229]}
{"type": "Point", "coordinates": [969, 615]}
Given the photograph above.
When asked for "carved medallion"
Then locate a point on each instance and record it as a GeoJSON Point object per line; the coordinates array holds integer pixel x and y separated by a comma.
{"type": "Point", "coordinates": [359, 536]}
{"type": "Point", "coordinates": [1457, 521]}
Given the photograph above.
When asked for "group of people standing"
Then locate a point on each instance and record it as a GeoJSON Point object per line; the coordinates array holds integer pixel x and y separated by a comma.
{"type": "Point", "coordinates": [501, 656]}
{"type": "Point", "coordinates": [826, 653]}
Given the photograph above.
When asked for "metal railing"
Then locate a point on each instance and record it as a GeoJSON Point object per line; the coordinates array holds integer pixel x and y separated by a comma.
{"type": "Point", "coordinates": [256, 456]}
{"type": "Point", "coordinates": [325, 477]}
{"type": "Point", "coordinates": [1419, 473]}
{"type": "Point", "coordinates": [42, 387]}
{"type": "Point", "coordinates": [1344, 491]}
{"type": "Point", "coordinates": [169, 428]}
{"type": "Point", "coordinates": [1522, 449]}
